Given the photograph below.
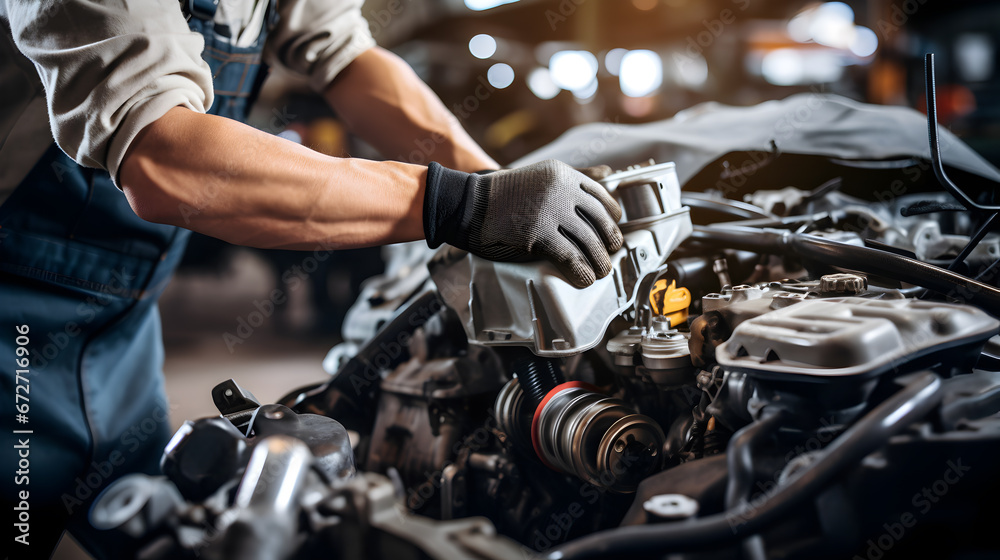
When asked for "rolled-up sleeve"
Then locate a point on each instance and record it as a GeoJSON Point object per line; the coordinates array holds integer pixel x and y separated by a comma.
{"type": "Point", "coordinates": [318, 38]}
{"type": "Point", "coordinates": [110, 68]}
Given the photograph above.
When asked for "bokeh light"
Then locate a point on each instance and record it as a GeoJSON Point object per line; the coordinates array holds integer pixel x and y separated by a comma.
{"type": "Point", "coordinates": [540, 83]}
{"type": "Point", "coordinates": [480, 5]}
{"type": "Point", "coordinates": [573, 70]}
{"type": "Point", "coordinates": [641, 73]}
{"type": "Point", "coordinates": [482, 46]}
{"type": "Point", "coordinates": [500, 75]}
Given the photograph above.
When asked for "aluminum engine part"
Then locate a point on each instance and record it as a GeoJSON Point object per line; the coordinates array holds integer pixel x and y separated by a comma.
{"type": "Point", "coordinates": [735, 294]}
{"type": "Point", "coordinates": [663, 347]}
{"type": "Point", "coordinates": [381, 296]}
{"type": "Point", "coordinates": [531, 304]}
{"type": "Point", "coordinates": [845, 337]}
{"type": "Point", "coordinates": [136, 504]}
{"type": "Point", "coordinates": [924, 238]}
{"type": "Point", "coordinates": [514, 415]}
{"type": "Point", "coordinates": [326, 438]}
{"type": "Point", "coordinates": [663, 353]}
{"type": "Point", "coordinates": [638, 191]}
{"type": "Point", "coordinates": [425, 408]}
{"type": "Point", "coordinates": [787, 292]}
{"type": "Point", "coordinates": [378, 526]}
{"type": "Point", "coordinates": [741, 293]}
{"type": "Point", "coordinates": [724, 311]}
{"type": "Point", "coordinates": [203, 455]}
{"type": "Point", "coordinates": [597, 438]}
{"type": "Point", "coordinates": [264, 519]}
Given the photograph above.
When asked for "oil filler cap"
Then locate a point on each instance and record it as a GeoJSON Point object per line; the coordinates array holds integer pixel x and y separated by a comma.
{"type": "Point", "coordinates": [668, 299]}
{"type": "Point", "coordinates": [842, 284]}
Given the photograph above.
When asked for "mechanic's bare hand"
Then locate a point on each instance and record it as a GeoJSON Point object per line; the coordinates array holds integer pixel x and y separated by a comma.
{"type": "Point", "coordinates": [546, 210]}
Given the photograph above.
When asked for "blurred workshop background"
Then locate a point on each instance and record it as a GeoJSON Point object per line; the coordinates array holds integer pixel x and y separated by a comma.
{"type": "Point", "coordinates": [517, 74]}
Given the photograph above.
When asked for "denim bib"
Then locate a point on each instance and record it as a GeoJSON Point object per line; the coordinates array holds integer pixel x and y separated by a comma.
{"type": "Point", "coordinates": [83, 272]}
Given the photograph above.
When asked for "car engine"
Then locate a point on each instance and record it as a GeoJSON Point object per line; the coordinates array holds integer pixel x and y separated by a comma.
{"type": "Point", "coordinates": [786, 372]}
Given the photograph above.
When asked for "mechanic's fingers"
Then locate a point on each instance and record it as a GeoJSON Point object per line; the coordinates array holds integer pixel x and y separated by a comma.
{"type": "Point", "coordinates": [594, 212]}
{"type": "Point", "coordinates": [568, 259]}
{"type": "Point", "coordinates": [598, 191]}
{"type": "Point", "coordinates": [582, 234]}
{"type": "Point", "coordinates": [596, 172]}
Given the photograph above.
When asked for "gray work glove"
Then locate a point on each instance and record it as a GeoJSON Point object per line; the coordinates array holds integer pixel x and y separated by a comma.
{"type": "Point", "coordinates": [546, 210]}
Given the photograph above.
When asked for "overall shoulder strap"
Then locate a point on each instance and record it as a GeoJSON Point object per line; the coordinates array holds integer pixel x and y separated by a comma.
{"type": "Point", "coordinates": [200, 9]}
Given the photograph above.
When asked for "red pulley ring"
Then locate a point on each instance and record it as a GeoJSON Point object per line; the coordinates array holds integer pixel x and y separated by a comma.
{"type": "Point", "coordinates": [535, 443]}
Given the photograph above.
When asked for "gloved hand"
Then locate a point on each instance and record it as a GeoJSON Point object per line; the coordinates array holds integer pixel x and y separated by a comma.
{"type": "Point", "coordinates": [596, 172]}
{"type": "Point", "coordinates": [545, 210]}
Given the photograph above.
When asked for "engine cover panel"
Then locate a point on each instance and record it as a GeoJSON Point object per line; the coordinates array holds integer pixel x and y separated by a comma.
{"type": "Point", "coordinates": [851, 336]}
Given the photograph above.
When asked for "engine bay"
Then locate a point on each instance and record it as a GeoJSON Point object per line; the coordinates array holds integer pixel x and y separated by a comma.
{"type": "Point", "coordinates": [799, 371]}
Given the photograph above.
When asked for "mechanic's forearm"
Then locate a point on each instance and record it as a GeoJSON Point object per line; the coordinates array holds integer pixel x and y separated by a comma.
{"type": "Point", "coordinates": [227, 180]}
{"type": "Point", "coordinates": [381, 99]}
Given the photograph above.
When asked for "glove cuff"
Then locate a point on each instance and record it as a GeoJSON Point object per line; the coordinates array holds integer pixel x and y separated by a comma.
{"type": "Point", "coordinates": [446, 198]}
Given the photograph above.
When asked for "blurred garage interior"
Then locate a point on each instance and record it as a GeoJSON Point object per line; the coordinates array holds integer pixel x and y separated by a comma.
{"type": "Point", "coordinates": [517, 74]}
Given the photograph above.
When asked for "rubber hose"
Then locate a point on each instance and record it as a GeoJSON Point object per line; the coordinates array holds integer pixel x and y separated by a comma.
{"type": "Point", "coordinates": [864, 259]}
{"type": "Point", "coordinates": [537, 377]}
{"type": "Point", "coordinates": [870, 433]}
{"type": "Point", "coordinates": [740, 463]}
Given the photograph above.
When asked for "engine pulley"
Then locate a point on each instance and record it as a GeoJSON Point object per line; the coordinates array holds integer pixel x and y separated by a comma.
{"type": "Point", "coordinates": [579, 431]}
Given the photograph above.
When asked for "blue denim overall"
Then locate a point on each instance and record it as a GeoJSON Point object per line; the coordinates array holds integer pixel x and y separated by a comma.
{"type": "Point", "coordinates": [83, 273]}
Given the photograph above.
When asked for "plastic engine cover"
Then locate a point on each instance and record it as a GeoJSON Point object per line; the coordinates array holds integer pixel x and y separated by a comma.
{"type": "Point", "coordinates": [842, 337]}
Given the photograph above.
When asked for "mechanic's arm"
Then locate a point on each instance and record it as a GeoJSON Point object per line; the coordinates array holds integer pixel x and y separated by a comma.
{"type": "Point", "coordinates": [222, 178]}
{"type": "Point", "coordinates": [382, 100]}
{"type": "Point", "coordinates": [127, 93]}
{"type": "Point", "coordinates": [374, 92]}
{"type": "Point", "coordinates": [225, 179]}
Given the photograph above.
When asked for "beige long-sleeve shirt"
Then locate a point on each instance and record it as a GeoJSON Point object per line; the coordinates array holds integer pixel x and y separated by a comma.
{"type": "Point", "coordinates": [92, 73]}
